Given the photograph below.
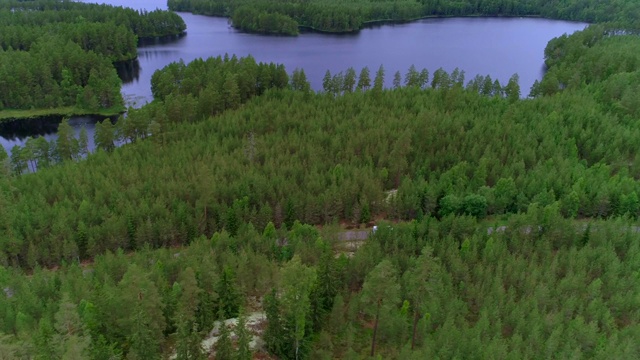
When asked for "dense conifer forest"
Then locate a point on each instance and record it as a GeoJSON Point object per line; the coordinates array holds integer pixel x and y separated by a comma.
{"type": "Point", "coordinates": [506, 226]}
{"type": "Point", "coordinates": [285, 16]}
{"type": "Point", "coordinates": [59, 54]}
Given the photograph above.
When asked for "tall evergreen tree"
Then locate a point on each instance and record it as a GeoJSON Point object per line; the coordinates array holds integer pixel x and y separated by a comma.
{"type": "Point", "coordinates": [5, 163]}
{"type": "Point", "coordinates": [274, 335]}
{"type": "Point", "coordinates": [231, 91]}
{"type": "Point", "coordinates": [83, 143]}
{"type": "Point", "coordinates": [244, 338]}
{"type": "Point", "coordinates": [364, 80]}
{"type": "Point", "coordinates": [71, 339]}
{"type": "Point", "coordinates": [188, 342]}
{"type": "Point", "coordinates": [229, 297]}
{"type": "Point", "coordinates": [296, 284]}
{"type": "Point", "coordinates": [378, 82]}
{"type": "Point", "coordinates": [421, 284]}
{"type": "Point", "coordinates": [144, 322]}
{"type": "Point", "coordinates": [104, 135]}
{"type": "Point", "coordinates": [512, 90]}
{"type": "Point", "coordinates": [327, 82]}
{"type": "Point", "coordinates": [349, 82]}
{"type": "Point", "coordinates": [397, 80]}
{"type": "Point", "coordinates": [380, 292]}
{"type": "Point", "coordinates": [66, 144]}
{"type": "Point", "coordinates": [18, 164]}
{"type": "Point", "coordinates": [224, 345]}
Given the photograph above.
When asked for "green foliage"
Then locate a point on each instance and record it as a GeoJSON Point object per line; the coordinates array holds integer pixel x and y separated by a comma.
{"type": "Point", "coordinates": [70, 341]}
{"type": "Point", "coordinates": [250, 19]}
{"type": "Point", "coordinates": [475, 205]}
{"type": "Point", "coordinates": [380, 293]}
{"type": "Point", "coordinates": [221, 83]}
{"type": "Point", "coordinates": [60, 54]}
{"type": "Point", "coordinates": [274, 335]}
{"type": "Point", "coordinates": [539, 286]}
{"type": "Point", "coordinates": [499, 290]}
{"type": "Point", "coordinates": [83, 22]}
{"type": "Point", "coordinates": [287, 312]}
{"type": "Point", "coordinates": [145, 322]}
{"type": "Point", "coordinates": [224, 346]}
{"type": "Point", "coordinates": [229, 298]}
{"type": "Point", "coordinates": [340, 16]}
{"type": "Point", "coordinates": [188, 342]}
{"type": "Point", "coordinates": [449, 150]}
{"type": "Point", "coordinates": [244, 338]}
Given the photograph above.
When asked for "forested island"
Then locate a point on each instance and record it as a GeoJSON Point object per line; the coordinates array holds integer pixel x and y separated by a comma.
{"type": "Point", "coordinates": [58, 56]}
{"type": "Point", "coordinates": [286, 17]}
{"type": "Point", "coordinates": [506, 227]}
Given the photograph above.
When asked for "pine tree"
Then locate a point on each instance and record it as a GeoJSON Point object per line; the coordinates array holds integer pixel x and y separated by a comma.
{"type": "Point", "coordinates": [274, 335]}
{"type": "Point", "coordinates": [66, 144]}
{"type": "Point", "coordinates": [397, 80]}
{"type": "Point", "coordinates": [299, 81]}
{"type": "Point", "coordinates": [104, 135]}
{"type": "Point", "coordinates": [244, 338]}
{"type": "Point", "coordinates": [83, 143]}
{"type": "Point", "coordinates": [18, 165]}
{"type": "Point", "coordinates": [421, 284]}
{"type": "Point", "coordinates": [229, 298]}
{"type": "Point", "coordinates": [5, 163]}
{"type": "Point", "coordinates": [349, 82]}
{"type": "Point", "coordinates": [327, 82]}
{"type": "Point", "coordinates": [71, 339]}
{"type": "Point", "coordinates": [43, 151]}
{"type": "Point", "coordinates": [325, 286]}
{"type": "Point", "coordinates": [145, 322]}
{"type": "Point", "coordinates": [43, 342]}
{"type": "Point", "coordinates": [224, 346]}
{"type": "Point", "coordinates": [512, 90]}
{"type": "Point", "coordinates": [189, 345]}
{"type": "Point", "coordinates": [380, 292]}
{"type": "Point", "coordinates": [378, 82]}
{"type": "Point", "coordinates": [423, 78]}
{"type": "Point", "coordinates": [296, 284]}
{"type": "Point", "coordinates": [364, 80]}
{"type": "Point", "coordinates": [412, 78]}
{"type": "Point", "coordinates": [29, 153]}
{"type": "Point", "coordinates": [12, 349]}
{"type": "Point", "coordinates": [188, 342]}
{"type": "Point", "coordinates": [231, 92]}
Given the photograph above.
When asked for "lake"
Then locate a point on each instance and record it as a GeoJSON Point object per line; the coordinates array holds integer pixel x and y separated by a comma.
{"type": "Point", "coordinates": [499, 47]}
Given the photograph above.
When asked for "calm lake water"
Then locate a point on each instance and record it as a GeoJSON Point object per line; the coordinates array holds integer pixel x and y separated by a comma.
{"type": "Point", "coordinates": [499, 47]}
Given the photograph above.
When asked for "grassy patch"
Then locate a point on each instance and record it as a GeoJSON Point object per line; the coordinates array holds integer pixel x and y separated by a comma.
{"type": "Point", "coordinates": [8, 115]}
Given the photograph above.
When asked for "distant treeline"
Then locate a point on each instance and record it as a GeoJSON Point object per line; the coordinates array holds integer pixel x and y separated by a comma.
{"type": "Point", "coordinates": [59, 53]}
{"type": "Point", "coordinates": [144, 24]}
{"type": "Point", "coordinates": [283, 17]}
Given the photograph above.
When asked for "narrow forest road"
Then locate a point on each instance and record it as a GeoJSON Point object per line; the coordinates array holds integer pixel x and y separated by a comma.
{"type": "Point", "coordinates": [350, 240]}
{"type": "Point", "coordinates": [355, 238]}
{"type": "Point", "coordinates": [354, 235]}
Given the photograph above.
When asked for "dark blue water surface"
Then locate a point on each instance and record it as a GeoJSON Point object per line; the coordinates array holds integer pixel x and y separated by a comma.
{"type": "Point", "coordinates": [499, 47]}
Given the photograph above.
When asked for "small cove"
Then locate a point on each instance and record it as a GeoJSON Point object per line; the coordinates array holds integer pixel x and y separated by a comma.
{"type": "Point", "coordinates": [495, 46]}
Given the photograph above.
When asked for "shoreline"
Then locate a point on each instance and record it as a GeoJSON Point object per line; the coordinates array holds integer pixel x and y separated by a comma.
{"type": "Point", "coordinates": [378, 22]}
{"type": "Point", "coordinates": [14, 115]}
